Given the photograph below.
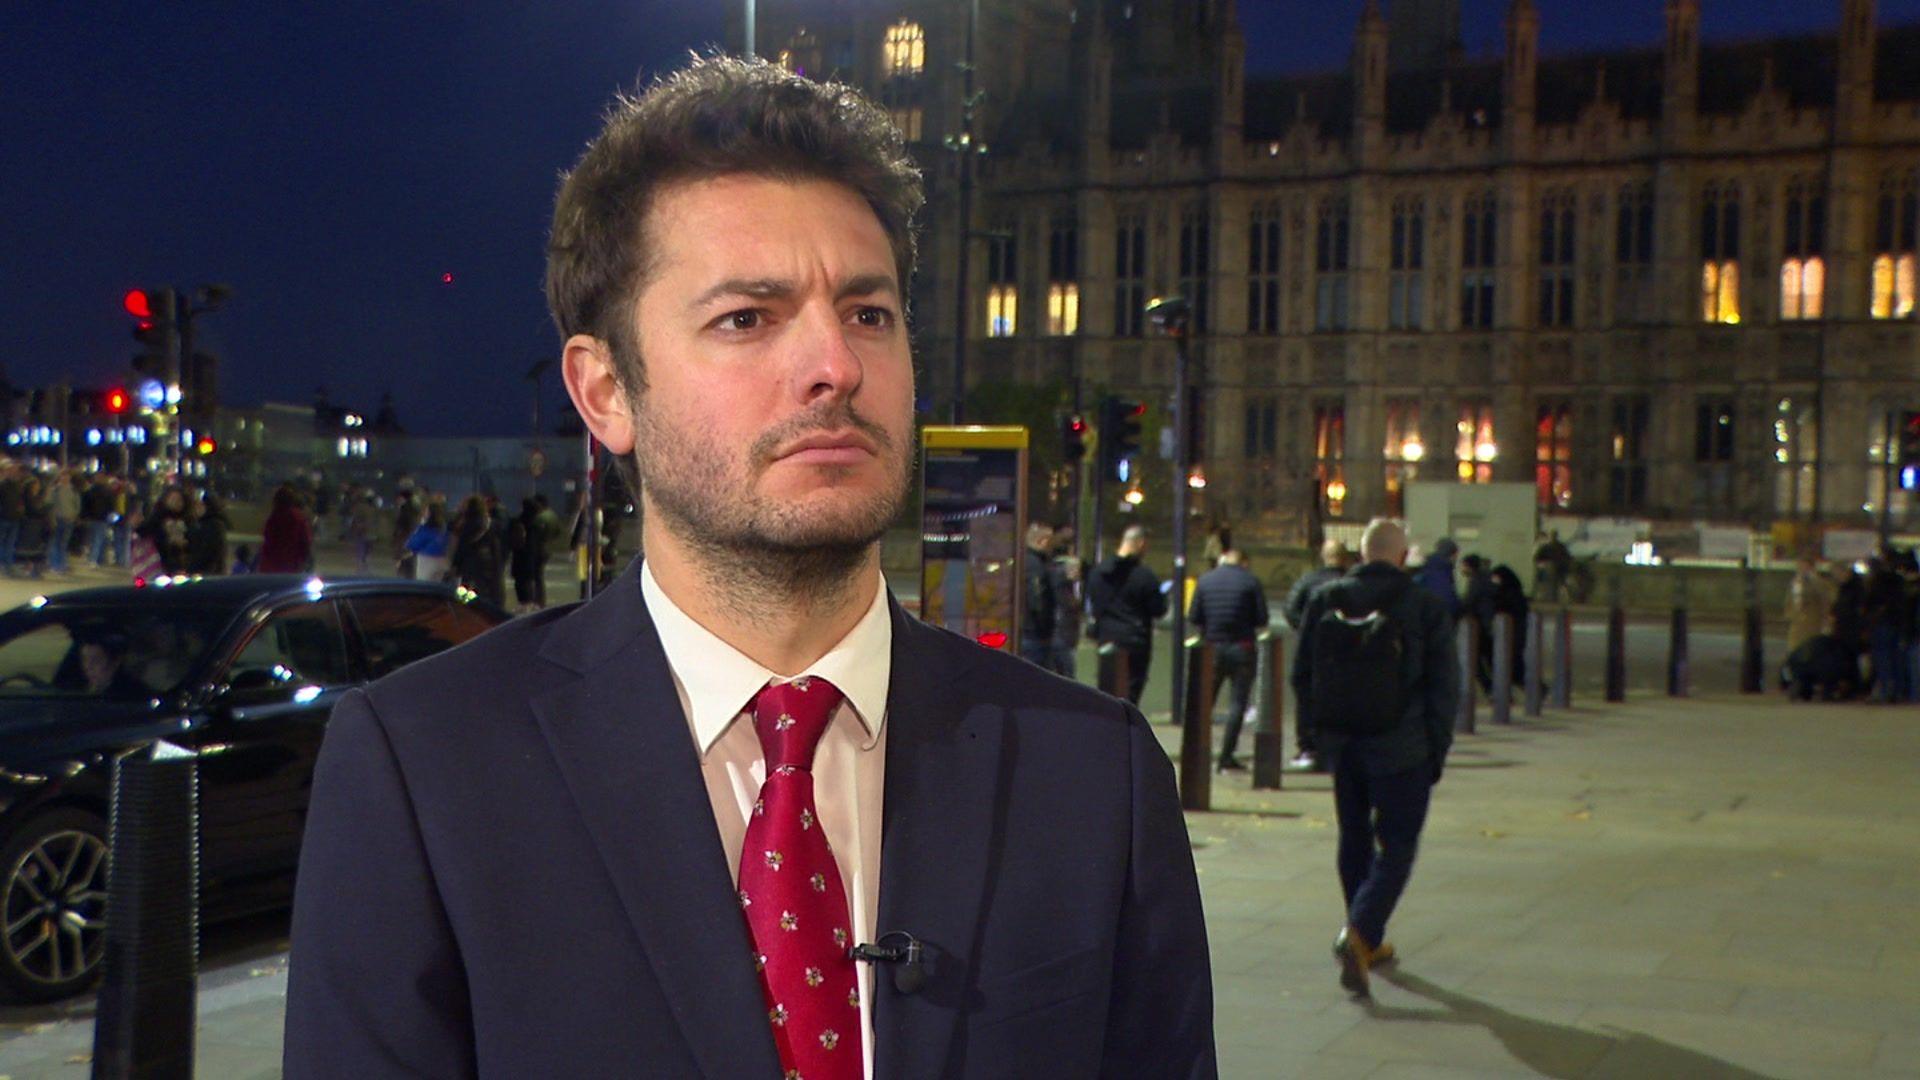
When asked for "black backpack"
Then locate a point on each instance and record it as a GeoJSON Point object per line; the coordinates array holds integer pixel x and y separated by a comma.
{"type": "Point", "coordinates": [1359, 664]}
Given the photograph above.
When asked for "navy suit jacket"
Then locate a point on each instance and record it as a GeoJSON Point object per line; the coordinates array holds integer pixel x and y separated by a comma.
{"type": "Point", "coordinates": [512, 869]}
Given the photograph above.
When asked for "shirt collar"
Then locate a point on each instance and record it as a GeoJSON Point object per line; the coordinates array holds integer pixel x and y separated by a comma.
{"type": "Point", "coordinates": [719, 679]}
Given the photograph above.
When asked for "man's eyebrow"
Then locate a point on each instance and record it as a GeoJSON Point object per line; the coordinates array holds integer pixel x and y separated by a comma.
{"type": "Point", "coordinates": [780, 288]}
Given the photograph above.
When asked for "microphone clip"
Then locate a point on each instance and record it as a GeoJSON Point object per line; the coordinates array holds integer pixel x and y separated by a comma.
{"type": "Point", "coordinates": [908, 956]}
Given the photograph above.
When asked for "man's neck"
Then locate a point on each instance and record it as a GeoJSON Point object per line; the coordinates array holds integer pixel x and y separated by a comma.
{"type": "Point", "coordinates": [784, 634]}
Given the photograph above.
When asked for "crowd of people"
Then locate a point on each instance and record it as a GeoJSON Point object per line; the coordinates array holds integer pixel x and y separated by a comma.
{"type": "Point", "coordinates": [1841, 614]}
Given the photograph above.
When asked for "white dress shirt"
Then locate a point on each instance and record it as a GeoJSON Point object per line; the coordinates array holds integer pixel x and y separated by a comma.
{"type": "Point", "coordinates": [716, 682]}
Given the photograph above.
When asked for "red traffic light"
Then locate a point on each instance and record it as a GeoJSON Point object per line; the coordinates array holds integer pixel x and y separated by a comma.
{"type": "Point", "coordinates": [117, 401]}
{"type": "Point", "coordinates": [205, 445]}
{"type": "Point", "coordinates": [993, 639]}
{"type": "Point", "coordinates": [137, 304]}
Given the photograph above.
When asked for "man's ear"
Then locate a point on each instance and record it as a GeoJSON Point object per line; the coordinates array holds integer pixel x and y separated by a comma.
{"type": "Point", "coordinates": [586, 365]}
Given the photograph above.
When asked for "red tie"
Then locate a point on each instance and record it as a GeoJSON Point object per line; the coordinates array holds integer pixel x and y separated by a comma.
{"type": "Point", "coordinates": [790, 890]}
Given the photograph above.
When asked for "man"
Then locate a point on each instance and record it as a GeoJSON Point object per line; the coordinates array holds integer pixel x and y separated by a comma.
{"type": "Point", "coordinates": [1126, 598]}
{"type": "Point", "coordinates": [642, 836]}
{"type": "Point", "coordinates": [1335, 558]}
{"type": "Point", "coordinates": [13, 512]}
{"type": "Point", "coordinates": [1436, 575]}
{"type": "Point", "coordinates": [1229, 610]}
{"type": "Point", "coordinates": [1376, 660]}
{"type": "Point", "coordinates": [1040, 605]}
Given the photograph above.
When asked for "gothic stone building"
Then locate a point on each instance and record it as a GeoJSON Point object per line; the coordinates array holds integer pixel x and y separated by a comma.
{"type": "Point", "coordinates": [1675, 283]}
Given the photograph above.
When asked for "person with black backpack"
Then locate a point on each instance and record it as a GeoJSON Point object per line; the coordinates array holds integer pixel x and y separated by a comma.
{"type": "Point", "coordinates": [1376, 662]}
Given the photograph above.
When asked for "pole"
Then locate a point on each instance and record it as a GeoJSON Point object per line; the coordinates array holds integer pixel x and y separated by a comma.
{"type": "Point", "coordinates": [964, 234]}
{"type": "Point", "coordinates": [1535, 662]}
{"type": "Point", "coordinates": [1502, 696]}
{"type": "Point", "coordinates": [1752, 646]}
{"type": "Point", "coordinates": [1269, 745]}
{"type": "Point", "coordinates": [1887, 474]}
{"type": "Point", "coordinates": [749, 43]}
{"type": "Point", "coordinates": [1196, 734]}
{"type": "Point", "coordinates": [1616, 642]}
{"type": "Point", "coordinates": [1467, 646]}
{"type": "Point", "coordinates": [1678, 682]}
{"type": "Point", "coordinates": [1563, 659]}
{"type": "Point", "coordinates": [1178, 327]}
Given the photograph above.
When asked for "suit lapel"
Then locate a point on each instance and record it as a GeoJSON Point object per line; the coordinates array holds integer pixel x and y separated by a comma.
{"type": "Point", "coordinates": [622, 745]}
{"type": "Point", "coordinates": [940, 832]}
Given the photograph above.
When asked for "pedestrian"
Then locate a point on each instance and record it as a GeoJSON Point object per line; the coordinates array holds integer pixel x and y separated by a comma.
{"type": "Point", "coordinates": [1070, 610]}
{"type": "Point", "coordinates": [1809, 603]}
{"type": "Point", "coordinates": [286, 541]}
{"type": "Point", "coordinates": [1436, 575]}
{"type": "Point", "coordinates": [64, 502]}
{"type": "Point", "coordinates": [1887, 613]}
{"type": "Point", "coordinates": [96, 514]}
{"type": "Point", "coordinates": [476, 557]}
{"type": "Point", "coordinates": [1376, 659]}
{"type": "Point", "coordinates": [1552, 565]}
{"type": "Point", "coordinates": [1510, 600]}
{"type": "Point", "coordinates": [1126, 600]}
{"type": "Point", "coordinates": [1219, 542]}
{"type": "Point", "coordinates": [1230, 611]}
{"type": "Point", "coordinates": [207, 537]}
{"type": "Point", "coordinates": [520, 549]}
{"type": "Point", "coordinates": [546, 529]}
{"type": "Point", "coordinates": [36, 527]}
{"type": "Point", "coordinates": [1477, 603]}
{"type": "Point", "coordinates": [427, 547]}
{"type": "Point", "coordinates": [165, 527]}
{"type": "Point", "coordinates": [242, 560]}
{"type": "Point", "coordinates": [694, 760]}
{"type": "Point", "coordinates": [406, 518]}
{"type": "Point", "coordinates": [13, 512]}
{"type": "Point", "coordinates": [359, 530]}
{"type": "Point", "coordinates": [1039, 603]}
{"type": "Point", "coordinates": [129, 503]}
{"type": "Point", "coordinates": [1335, 559]}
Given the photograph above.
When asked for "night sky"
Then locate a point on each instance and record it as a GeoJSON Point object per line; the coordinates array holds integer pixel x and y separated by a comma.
{"type": "Point", "coordinates": [332, 161]}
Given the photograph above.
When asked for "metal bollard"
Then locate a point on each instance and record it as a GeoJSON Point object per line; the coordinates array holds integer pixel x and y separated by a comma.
{"type": "Point", "coordinates": [1269, 734]}
{"type": "Point", "coordinates": [1536, 635]}
{"type": "Point", "coordinates": [1678, 676]}
{"type": "Point", "coordinates": [1616, 644]}
{"type": "Point", "coordinates": [1563, 659]}
{"type": "Point", "coordinates": [1753, 647]}
{"type": "Point", "coordinates": [1196, 730]}
{"type": "Point", "coordinates": [1467, 644]}
{"type": "Point", "coordinates": [1114, 671]}
{"type": "Point", "coordinates": [1502, 696]}
{"type": "Point", "coordinates": [146, 1011]}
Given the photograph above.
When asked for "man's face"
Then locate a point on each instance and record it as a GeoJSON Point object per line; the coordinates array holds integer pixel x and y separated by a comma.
{"type": "Point", "coordinates": [97, 665]}
{"type": "Point", "coordinates": [777, 412]}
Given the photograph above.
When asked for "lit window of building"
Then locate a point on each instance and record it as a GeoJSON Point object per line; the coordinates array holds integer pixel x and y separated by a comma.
{"type": "Point", "coordinates": [1196, 261]}
{"type": "Point", "coordinates": [1553, 455]}
{"type": "Point", "coordinates": [1130, 277]}
{"type": "Point", "coordinates": [1479, 227]}
{"type": "Point", "coordinates": [908, 118]}
{"type": "Point", "coordinates": [1003, 286]}
{"type": "Point", "coordinates": [1332, 244]}
{"type": "Point", "coordinates": [1720, 254]}
{"type": "Point", "coordinates": [1803, 267]}
{"type": "Point", "coordinates": [1557, 258]}
{"type": "Point", "coordinates": [1894, 247]}
{"type": "Point", "coordinates": [1883, 476]}
{"type": "Point", "coordinates": [1330, 454]}
{"type": "Point", "coordinates": [905, 50]}
{"type": "Point", "coordinates": [1794, 430]}
{"type": "Point", "coordinates": [1404, 450]}
{"type": "Point", "coordinates": [1263, 269]}
{"type": "Point", "coordinates": [1474, 447]}
{"type": "Point", "coordinates": [1627, 454]}
{"type": "Point", "coordinates": [1635, 300]}
{"type": "Point", "coordinates": [1406, 265]}
{"type": "Point", "coordinates": [1063, 278]}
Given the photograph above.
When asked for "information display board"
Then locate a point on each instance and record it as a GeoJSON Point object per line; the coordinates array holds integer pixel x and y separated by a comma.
{"type": "Point", "coordinates": [973, 513]}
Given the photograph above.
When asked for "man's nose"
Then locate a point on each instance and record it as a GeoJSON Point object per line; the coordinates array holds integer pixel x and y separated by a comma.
{"type": "Point", "coordinates": [825, 363]}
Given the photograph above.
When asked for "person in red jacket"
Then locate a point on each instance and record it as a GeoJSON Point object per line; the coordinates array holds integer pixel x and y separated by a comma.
{"type": "Point", "coordinates": [286, 542]}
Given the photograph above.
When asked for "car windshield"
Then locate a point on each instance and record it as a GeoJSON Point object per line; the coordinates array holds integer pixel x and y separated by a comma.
{"type": "Point", "coordinates": [102, 653]}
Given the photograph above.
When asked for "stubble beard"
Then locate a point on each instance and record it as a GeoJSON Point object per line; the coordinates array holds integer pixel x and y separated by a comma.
{"type": "Point", "coordinates": [757, 554]}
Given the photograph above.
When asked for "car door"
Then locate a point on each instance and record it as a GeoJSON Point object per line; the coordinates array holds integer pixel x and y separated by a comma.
{"type": "Point", "coordinates": [261, 735]}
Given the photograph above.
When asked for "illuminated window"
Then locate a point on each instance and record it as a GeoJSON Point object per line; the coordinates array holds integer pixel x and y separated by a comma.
{"type": "Point", "coordinates": [1332, 242]}
{"type": "Point", "coordinates": [905, 49]}
{"type": "Point", "coordinates": [1196, 262]}
{"type": "Point", "coordinates": [1883, 480]}
{"type": "Point", "coordinates": [1479, 224]}
{"type": "Point", "coordinates": [1130, 277]}
{"type": "Point", "coordinates": [1404, 450]}
{"type": "Point", "coordinates": [1063, 277]}
{"type": "Point", "coordinates": [1263, 269]}
{"type": "Point", "coordinates": [1330, 455]}
{"type": "Point", "coordinates": [1553, 455]}
{"type": "Point", "coordinates": [1794, 429]}
{"type": "Point", "coordinates": [1556, 259]}
{"type": "Point", "coordinates": [1635, 300]}
{"type": "Point", "coordinates": [1627, 454]}
{"type": "Point", "coordinates": [1474, 447]}
{"type": "Point", "coordinates": [1406, 265]}
{"type": "Point", "coordinates": [1003, 289]}
{"type": "Point", "coordinates": [1803, 269]}
{"type": "Point", "coordinates": [1720, 255]}
{"type": "Point", "coordinates": [908, 119]}
{"type": "Point", "coordinates": [1063, 308]}
{"type": "Point", "coordinates": [1895, 244]}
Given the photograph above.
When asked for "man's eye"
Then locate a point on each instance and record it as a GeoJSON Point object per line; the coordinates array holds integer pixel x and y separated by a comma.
{"type": "Point", "coordinates": [876, 317]}
{"type": "Point", "coordinates": [747, 319]}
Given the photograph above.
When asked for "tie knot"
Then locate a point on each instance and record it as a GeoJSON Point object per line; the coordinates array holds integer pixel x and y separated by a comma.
{"type": "Point", "coordinates": [790, 718]}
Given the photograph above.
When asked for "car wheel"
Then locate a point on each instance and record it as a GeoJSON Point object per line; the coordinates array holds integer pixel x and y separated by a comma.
{"type": "Point", "coordinates": [53, 904]}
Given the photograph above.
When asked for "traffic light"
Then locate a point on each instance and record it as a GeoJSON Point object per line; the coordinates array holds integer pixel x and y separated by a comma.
{"type": "Point", "coordinates": [205, 445]}
{"type": "Point", "coordinates": [1119, 433]}
{"type": "Point", "coordinates": [153, 312]}
{"type": "Point", "coordinates": [117, 400]}
{"type": "Point", "coordinates": [1073, 439]}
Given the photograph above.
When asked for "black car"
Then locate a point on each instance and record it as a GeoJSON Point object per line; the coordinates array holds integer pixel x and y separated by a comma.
{"type": "Point", "coordinates": [240, 671]}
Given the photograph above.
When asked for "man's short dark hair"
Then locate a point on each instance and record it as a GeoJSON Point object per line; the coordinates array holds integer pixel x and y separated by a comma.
{"type": "Point", "coordinates": [718, 116]}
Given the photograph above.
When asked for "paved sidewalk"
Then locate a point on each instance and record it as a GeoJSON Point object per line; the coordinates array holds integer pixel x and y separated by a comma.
{"type": "Point", "coordinates": [1720, 887]}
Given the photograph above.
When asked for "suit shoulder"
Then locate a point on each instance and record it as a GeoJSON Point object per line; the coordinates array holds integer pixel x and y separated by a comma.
{"type": "Point", "coordinates": [508, 655]}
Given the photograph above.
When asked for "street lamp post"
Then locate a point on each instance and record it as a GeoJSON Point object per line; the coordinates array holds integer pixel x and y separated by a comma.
{"type": "Point", "coordinates": [1174, 315]}
{"type": "Point", "coordinates": [963, 145]}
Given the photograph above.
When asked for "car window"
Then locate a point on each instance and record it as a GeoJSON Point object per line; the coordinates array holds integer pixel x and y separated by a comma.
{"type": "Point", "coordinates": [401, 629]}
{"type": "Point", "coordinates": [102, 651]}
{"type": "Point", "coordinates": [298, 646]}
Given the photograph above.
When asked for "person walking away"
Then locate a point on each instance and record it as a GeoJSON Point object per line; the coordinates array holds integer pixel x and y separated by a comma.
{"type": "Point", "coordinates": [96, 513]}
{"type": "Point", "coordinates": [1039, 605]}
{"type": "Point", "coordinates": [520, 554]}
{"type": "Point", "coordinates": [1376, 659]}
{"type": "Point", "coordinates": [36, 528]}
{"type": "Point", "coordinates": [1126, 599]}
{"type": "Point", "coordinates": [1552, 563]}
{"type": "Point", "coordinates": [475, 555]}
{"type": "Point", "coordinates": [1229, 610]}
{"type": "Point", "coordinates": [207, 537]}
{"type": "Point", "coordinates": [1886, 614]}
{"type": "Point", "coordinates": [360, 528]}
{"type": "Point", "coordinates": [286, 540]}
{"type": "Point", "coordinates": [1335, 559]}
{"type": "Point", "coordinates": [1809, 603]}
{"type": "Point", "coordinates": [65, 504]}
{"type": "Point", "coordinates": [13, 512]}
{"type": "Point", "coordinates": [1478, 603]}
{"type": "Point", "coordinates": [1436, 575]}
{"type": "Point", "coordinates": [428, 545]}
{"type": "Point", "coordinates": [406, 518]}
{"type": "Point", "coordinates": [1070, 607]}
